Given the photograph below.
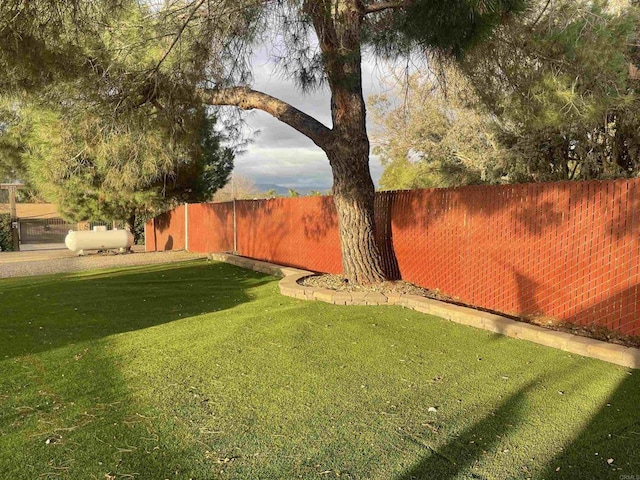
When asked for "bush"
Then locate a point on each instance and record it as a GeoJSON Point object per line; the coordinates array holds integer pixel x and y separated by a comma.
{"type": "Point", "coordinates": [6, 244]}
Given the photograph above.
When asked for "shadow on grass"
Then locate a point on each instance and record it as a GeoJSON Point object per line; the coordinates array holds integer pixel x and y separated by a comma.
{"type": "Point", "coordinates": [43, 313]}
{"type": "Point", "coordinates": [462, 451]}
{"type": "Point", "coordinates": [612, 434]}
{"type": "Point", "coordinates": [66, 417]}
{"type": "Point", "coordinates": [66, 411]}
{"type": "Point", "coordinates": [606, 448]}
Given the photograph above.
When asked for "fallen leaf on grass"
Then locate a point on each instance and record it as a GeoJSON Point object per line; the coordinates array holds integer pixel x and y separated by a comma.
{"type": "Point", "coordinates": [431, 427]}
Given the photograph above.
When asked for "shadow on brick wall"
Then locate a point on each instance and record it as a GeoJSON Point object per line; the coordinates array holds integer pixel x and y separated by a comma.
{"type": "Point", "coordinates": [319, 222]}
{"type": "Point", "coordinates": [163, 221]}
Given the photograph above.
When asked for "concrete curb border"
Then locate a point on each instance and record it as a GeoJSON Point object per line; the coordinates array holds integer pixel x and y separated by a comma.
{"type": "Point", "coordinates": [587, 347]}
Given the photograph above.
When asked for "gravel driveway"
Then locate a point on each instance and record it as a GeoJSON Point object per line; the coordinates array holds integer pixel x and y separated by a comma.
{"type": "Point", "coordinates": [22, 264]}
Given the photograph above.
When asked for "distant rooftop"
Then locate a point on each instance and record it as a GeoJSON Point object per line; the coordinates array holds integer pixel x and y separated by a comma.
{"type": "Point", "coordinates": [32, 210]}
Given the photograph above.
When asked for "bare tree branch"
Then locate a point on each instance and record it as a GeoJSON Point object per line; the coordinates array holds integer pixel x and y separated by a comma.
{"type": "Point", "coordinates": [380, 6]}
{"type": "Point", "coordinates": [248, 99]}
{"type": "Point", "coordinates": [535, 22]}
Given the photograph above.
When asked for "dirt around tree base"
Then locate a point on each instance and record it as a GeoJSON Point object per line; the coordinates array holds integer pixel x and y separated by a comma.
{"type": "Point", "coordinates": [341, 284]}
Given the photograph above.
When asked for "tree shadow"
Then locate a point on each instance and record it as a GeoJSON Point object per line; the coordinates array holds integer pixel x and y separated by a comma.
{"type": "Point", "coordinates": [264, 230]}
{"type": "Point", "coordinates": [461, 452]}
{"type": "Point", "coordinates": [607, 447]}
{"type": "Point", "coordinates": [566, 250]}
{"type": "Point", "coordinates": [66, 409]}
{"type": "Point", "coordinates": [322, 218]}
{"type": "Point", "coordinates": [384, 234]}
{"type": "Point", "coordinates": [601, 313]}
{"type": "Point", "coordinates": [45, 313]}
{"type": "Point", "coordinates": [619, 312]}
{"type": "Point", "coordinates": [297, 232]}
{"type": "Point", "coordinates": [167, 230]}
{"type": "Point", "coordinates": [163, 221]}
{"type": "Point", "coordinates": [77, 417]}
{"type": "Point", "coordinates": [531, 249]}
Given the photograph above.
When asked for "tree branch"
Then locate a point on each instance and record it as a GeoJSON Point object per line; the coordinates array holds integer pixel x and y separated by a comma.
{"type": "Point", "coordinates": [380, 6]}
{"type": "Point", "coordinates": [247, 99]}
{"type": "Point", "coordinates": [178, 35]}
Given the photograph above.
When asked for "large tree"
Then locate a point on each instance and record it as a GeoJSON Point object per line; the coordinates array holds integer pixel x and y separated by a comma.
{"type": "Point", "coordinates": [207, 50]}
{"type": "Point", "coordinates": [80, 142]}
{"type": "Point", "coordinates": [93, 176]}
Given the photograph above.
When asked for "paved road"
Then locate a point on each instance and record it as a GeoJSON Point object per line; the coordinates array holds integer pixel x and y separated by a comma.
{"type": "Point", "coordinates": [42, 262]}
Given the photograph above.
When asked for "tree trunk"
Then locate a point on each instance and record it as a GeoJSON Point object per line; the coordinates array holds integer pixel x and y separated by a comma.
{"type": "Point", "coordinates": [338, 26]}
{"type": "Point", "coordinates": [353, 195]}
{"type": "Point", "coordinates": [130, 225]}
{"type": "Point", "coordinates": [348, 152]}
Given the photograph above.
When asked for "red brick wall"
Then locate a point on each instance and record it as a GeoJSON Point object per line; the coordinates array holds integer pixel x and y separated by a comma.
{"type": "Point", "coordinates": [210, 227]}
{"type": "Point", "coordinates": [566, 250]}
{"type": "Point", "coordinates": [300, 232]}
{"type": "Point", "coordinates": [166, 231]}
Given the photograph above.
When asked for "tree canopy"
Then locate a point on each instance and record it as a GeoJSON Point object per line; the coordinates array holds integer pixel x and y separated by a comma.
{"type": "Point", "coordinates": [96, 152]}
{"type": "Point", "coordinates": [93, 176]}
{"type": "Point", "coordinates": [135, 59]}
{"type": "Point", "coordinates": [560, 104]}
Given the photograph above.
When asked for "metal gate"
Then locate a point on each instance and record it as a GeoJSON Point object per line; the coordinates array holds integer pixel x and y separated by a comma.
{"type": "Point", "coordinates": [44, 230]}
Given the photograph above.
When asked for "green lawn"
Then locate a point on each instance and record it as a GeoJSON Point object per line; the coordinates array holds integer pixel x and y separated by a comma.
{"type": "Point", "coordinates": [202, 370]}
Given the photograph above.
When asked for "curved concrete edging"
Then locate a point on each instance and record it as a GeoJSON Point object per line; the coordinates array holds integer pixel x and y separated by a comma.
{"type": "Point", "coordinates": [587, 347]}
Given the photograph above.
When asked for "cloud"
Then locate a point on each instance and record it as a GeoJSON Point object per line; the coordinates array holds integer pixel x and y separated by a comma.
{"type": "Point", "coordinates": [293, 167]}
{"type": "Point", "coordinates": [266, 132]}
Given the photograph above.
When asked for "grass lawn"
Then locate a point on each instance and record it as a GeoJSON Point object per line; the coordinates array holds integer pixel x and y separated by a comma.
{"type": "Point", "coordinates": [202, 370]}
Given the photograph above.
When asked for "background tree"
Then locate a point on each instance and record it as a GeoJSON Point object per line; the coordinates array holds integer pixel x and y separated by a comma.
{"type": "Point", "coordinates": [563, 90]}
{"type": "Point", "coordinates": [239, 187]}
{"type": "Point", "coordinates": [562, 104]}
{"type": "Point", "coordinates": [427, 136]}
{"type": "Point", "coordinates": [91, 146]}
{"type": "Point", "coordinates": [94, 176]}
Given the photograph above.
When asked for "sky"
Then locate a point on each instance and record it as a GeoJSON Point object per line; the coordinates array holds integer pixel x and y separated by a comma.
{"type": "Point", "coordinates": [279, 154]}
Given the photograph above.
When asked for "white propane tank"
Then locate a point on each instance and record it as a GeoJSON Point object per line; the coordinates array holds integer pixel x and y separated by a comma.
{"type": "Point", "coordinates": [98, 239]}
